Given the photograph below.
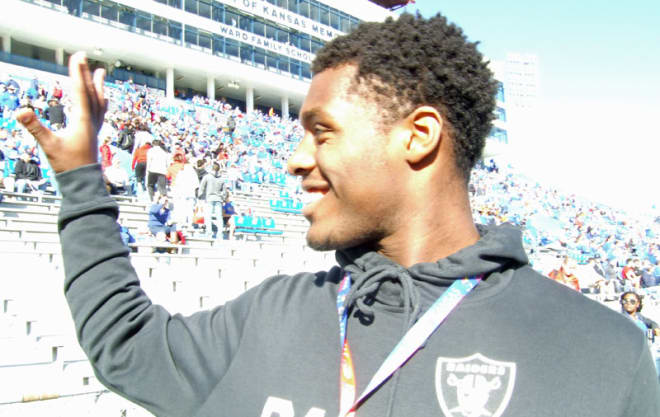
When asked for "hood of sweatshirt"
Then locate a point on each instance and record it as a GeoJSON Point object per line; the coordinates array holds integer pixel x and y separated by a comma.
{"type": "Point", "coordinates": [378, 282]}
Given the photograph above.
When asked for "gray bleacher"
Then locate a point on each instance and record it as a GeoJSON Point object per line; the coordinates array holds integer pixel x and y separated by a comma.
{"type": "Point", "coordinates": [39, 354]}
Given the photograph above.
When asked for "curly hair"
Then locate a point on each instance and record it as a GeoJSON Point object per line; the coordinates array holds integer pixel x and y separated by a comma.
{"type": "Point", "coordinates": [413, 62]}
{"type": "Point", "coordinates": [640, 302]}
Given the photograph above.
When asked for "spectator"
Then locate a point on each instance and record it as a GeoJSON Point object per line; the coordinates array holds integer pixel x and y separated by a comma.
{"type": "Point", "coordinates": [176, 166]}
{"type": "Point", "coordinates": [228, 211]}
{"type": "Point", "coordinates": [156, 169]}
{"type": "Point", "coordinates": [116, 179]}
{"type": "Point", "coordinates": [160, 225]}
{"type": "Point", "coordinates": [139, 164]}
{"type": "Point", "coordinates": [213, 191]}
{"type": "Point", "coordinates": [57, 93]}
{"type": "Point", "coordinates": [9, 100]}
{"type": "Point", "coordinates": [631, 307]}
{"type": "Point", "coordinates": [127, 138]}
{"type": "Point", "coordinates": [106, 153]}
{"type": "Point", "coordinates": [27, 174]}
{"type": "Point", "coordinates": [184, 188]}
{"type": "Point", "coordinates": [565, 274]}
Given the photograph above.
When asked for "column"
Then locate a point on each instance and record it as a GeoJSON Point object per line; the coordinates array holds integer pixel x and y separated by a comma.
{"type": "Point", "coordinates": [169, 90]}
{"type": "Point", "coordinates": [249, 100]}
{"type": "Point", "coordinates": [6, 43]}
{"type": "Point", "coordinates": [285, 107]}
{"type": "Point", "coordinates": [59, 56]}
{"type": "Point", "coordinates": [210, 88]}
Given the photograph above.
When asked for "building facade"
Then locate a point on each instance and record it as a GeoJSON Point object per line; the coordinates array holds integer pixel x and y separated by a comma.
{"type": "Point", "coordinates": [255, 52]}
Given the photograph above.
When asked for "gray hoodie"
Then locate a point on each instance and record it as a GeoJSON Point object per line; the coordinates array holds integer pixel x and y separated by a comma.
{"type": "Point", "coordinates": [212, 187]}
{"type": "Point", "coordinates": [518, 345]}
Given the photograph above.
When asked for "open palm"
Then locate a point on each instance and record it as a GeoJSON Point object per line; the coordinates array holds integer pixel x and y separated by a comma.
{"type": "Point", "coordinates": [77, 145]}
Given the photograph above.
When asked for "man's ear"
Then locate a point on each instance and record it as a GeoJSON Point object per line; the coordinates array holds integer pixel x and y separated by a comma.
{"type": "Point", "coordinates": [424, 133]}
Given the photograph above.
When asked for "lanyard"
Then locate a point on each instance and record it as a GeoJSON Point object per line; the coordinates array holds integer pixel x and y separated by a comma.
{"type": "Point", "coordinates": [404, 350]}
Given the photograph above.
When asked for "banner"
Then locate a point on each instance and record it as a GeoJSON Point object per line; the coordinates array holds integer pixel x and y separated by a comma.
{"type": "Point", "coordinates": [284, 17]}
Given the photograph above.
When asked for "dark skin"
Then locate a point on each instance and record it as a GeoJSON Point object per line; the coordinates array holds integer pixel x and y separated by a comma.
{"type": "Point", "coordinates": [356, 164]}
{"type": "Point", "coordinates": [630, 303]}
{"type": "Point", "coordinates": [346, 154]}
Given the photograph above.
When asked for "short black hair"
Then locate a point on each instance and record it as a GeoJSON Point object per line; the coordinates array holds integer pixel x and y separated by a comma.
{"type": "Point", "coordinates": [415, 61]}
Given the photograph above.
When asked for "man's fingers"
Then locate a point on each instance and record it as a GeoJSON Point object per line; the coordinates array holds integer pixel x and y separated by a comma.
{"type": "Point", "coordinates": [77, 72]}
{"type": "Point", "coordinates": [31, 122]}
{"type": "Point", "coordinates": [99, 77]}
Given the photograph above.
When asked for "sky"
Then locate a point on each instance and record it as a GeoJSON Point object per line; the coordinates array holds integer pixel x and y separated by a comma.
{"type": "Point", "coordinates": [595, 132]}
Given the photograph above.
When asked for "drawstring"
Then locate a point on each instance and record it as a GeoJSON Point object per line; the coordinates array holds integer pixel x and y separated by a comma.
{"type": "Point", "coordinates": [367, 285]}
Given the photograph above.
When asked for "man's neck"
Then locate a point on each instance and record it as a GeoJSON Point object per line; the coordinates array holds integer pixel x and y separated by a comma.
{"type": "Point", "coordinates": [431, 235]}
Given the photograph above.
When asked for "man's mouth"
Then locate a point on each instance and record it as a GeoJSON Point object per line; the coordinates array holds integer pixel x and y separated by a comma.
{"type": "Point", "coordinates": [310, 198]}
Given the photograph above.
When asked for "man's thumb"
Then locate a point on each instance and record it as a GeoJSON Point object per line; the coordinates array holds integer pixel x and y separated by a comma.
{"type": "Point", "coordinates": [31, 122]}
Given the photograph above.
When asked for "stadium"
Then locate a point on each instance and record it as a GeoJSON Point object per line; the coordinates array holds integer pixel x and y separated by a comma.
{"type": "Point", "coordinates": [221, 80]}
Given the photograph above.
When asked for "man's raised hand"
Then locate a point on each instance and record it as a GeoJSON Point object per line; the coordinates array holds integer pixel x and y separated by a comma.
{"type": "Point", "coordinates": [77, 145]}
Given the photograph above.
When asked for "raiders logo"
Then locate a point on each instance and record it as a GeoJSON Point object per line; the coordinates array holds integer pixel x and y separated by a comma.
{"type": "Point", "coordinates": [474, 386]}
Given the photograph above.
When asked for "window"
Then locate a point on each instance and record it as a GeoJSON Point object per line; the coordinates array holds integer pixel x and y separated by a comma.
{"type": "Point", "coordinates": [303, 8]}
{"type": "Point", "coordinates": [245, 23]}
{"type": "Point", "coordinates": [314, 12]}
{"type": "Point", "coordinates": [160, 26]}
{"type": "Point", "coordinates": [143, 21]}
{"type": "Point", "coordinates": [325, 15]}
{"type": "Point", "coordinates": [293, 5]}
{"type": "Point", "coordinates": [231, 47]}
{"type": "Point", "coordinates": [231, 18]}
{"type": "Point", "coordinates": [354, 23]}
{"type": "Point", "coordinates": [283, 65]}
{"type": "Point", "coordinates": [271, 61]}
{"type": "Point", "coordinates": [218, 12]}
{"type": "Point", "coordinates": [218, 45]}
{"type": "Point", "coordinates": [127, 16]}
{"type": "Point", "coordinates": [306, 70]}
{"type": "Point", "coordinates": [501, 114]}
{"type": "Point", "coordinates": [191, 35]}
{"type": "Point", "coordinates": [91, 7]}
{"type": "Point", "coordinates": [204, 40]}
{"type": "Point", "coordinates": [316, 45]}
{"type": "Point", "coordinates": [334, 20]}
{"type": "Point", "coordinates": [259, 56]}
{"type": "Point", "coordinates": [294, 67]}
{"type": "Point", "coordinates": [191, 6]}
{"type": "Point", "coordinates": [271, 32]}
{"type": "Point", "coordinates": [294, 39]}
{"type": "Point", "coordinates": [305, 43]}
{"type": "Point", "coordinates": [344, 24]}
{"type": "Point", "coordinates": [500, 91]}
{"type": "Point", "coordinates": [109, 11]}
{"type": "Point", "coordinates": [259, 28]}
{"type": "Point", "coordinates": [204, 9]}
{"type": "Point", "coordinates": [246, 53]}
{"type": "Point", "coordinates": [175, 30]}
{"type": "Point", "coordinates": [282, 36]}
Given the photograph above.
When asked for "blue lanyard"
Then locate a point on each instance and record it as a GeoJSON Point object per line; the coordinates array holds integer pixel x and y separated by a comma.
{"type": "Point", "coordinates": [414, 337]}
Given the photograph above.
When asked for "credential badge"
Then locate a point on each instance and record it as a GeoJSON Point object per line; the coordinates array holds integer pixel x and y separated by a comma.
{"type": "Point", "coordinates": [474, 386]}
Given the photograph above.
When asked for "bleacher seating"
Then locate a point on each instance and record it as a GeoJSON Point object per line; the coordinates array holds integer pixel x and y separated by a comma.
{"type": "Point", "coordinates": [38, 348]}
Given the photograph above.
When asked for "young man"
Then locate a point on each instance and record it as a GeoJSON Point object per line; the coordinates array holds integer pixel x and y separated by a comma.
{"type": "Point", "coordinates": [396, 116]}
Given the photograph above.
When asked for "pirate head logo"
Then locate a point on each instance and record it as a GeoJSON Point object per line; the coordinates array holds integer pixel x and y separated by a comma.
{"type": "Point", "coordinates": [474, 386]}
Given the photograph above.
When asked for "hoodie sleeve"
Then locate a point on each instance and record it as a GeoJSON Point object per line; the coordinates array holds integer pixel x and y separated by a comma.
{"type": "Point", "coordinates": [167, 364]}
{"type": "Point", "coordinates": [643, 398]}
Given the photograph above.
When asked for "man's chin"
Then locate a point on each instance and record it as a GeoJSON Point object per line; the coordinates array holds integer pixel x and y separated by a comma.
{"type": "Point", "coordinates": [326, 241]}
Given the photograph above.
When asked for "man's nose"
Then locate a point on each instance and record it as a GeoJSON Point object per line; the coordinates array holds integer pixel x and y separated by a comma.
{"type": "Point", "coordinates": [302, 161]}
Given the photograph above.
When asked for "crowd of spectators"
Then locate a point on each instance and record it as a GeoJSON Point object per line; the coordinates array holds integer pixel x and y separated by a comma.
{"type": "Point", "coordinates": [196, 153]}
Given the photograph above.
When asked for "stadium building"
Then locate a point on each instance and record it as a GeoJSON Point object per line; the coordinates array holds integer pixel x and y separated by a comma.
{"type": "Point", "coordinates": [255, 53]}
